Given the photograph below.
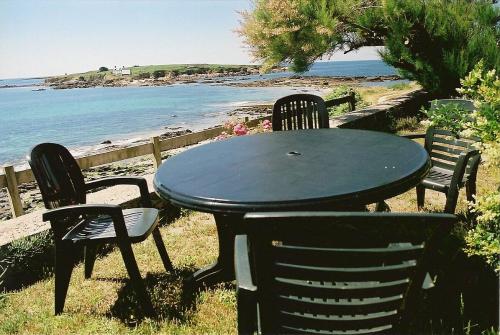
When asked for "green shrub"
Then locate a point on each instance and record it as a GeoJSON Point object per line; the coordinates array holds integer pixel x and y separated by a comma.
{"type": "Point", "coordinates": [174, 73]}
{"type": "Point", "coordinates": [484, 239]}
{"type": "Point", "coordinates": [26, 260]}
{"type": "Point", "coordinates": [342, 91]}
{"type": "Point", "coordinates": [484, 87]}
{"type": "Point", "coordinates": [158, 73]}
{"type": "Point", "coordinates": [452, 117]}
{"type": "Point", "coordinates": [103, 69]}
{"type": "Point", "coordinates": [405, 124]}
{"type": "Point", "coordinates": [143, 75]}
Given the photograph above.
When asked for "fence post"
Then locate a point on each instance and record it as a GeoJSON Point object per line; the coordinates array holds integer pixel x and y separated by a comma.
{"type": "Point", "coordinates": [352, 103]}
{"type": "Point", "coordinates": [16, 206]}
{"type": "Point", "coordinates": [155, 141]}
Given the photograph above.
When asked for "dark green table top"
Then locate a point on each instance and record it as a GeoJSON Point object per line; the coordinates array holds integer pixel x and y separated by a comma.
{"type": "Point", "coordinates": [292, 170]}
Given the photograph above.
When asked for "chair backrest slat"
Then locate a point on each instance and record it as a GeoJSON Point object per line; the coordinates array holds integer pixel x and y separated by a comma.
{"type": "Point", "coordinates": [330, 273]}
{"type": "Point", "coordinates": [446, 158]}
{"type": "Point", "coordinates": [300, 111]}
{"type": "Point", "coordinates": [454, 142]}
{"type": "Point", "coordinates": [326, 306]}
{"type": "Point", "coordinates": [448, 150]}
{"type": "Point", "coordinates": [336, 257]}
{"type": "Point", "coordinates": [443, 165]}
{"type": "Point", "coordinates": [340, 290]}
{"type": "Point", "coordinates": [310, 323]}
{"type": "Point", "coordinates": [379, 273]}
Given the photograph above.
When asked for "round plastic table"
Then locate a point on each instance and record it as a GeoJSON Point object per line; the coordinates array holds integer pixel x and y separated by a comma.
{"type": "Point", "coordinates": [320, 169]}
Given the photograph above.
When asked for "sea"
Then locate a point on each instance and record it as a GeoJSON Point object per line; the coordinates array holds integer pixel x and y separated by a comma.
{"type": "Point", "coordinates": [83, 118]}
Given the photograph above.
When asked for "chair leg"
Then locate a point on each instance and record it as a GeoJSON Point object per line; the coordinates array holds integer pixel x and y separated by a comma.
{"type": "Point", "coordinates": [90, 255]}
{"type": "Point", "coordinates": [135, 277]}
{"type": "Point", "coordinates": [162, 250]}
{"type": "Point", "coordinates": [64, 263]}
{"type": "Point", "coordinates": [451, 202]}
{"type": "Point", "coordinates": [382, 206]}
{"type": "Point", "coordinates": [470, 191]}
{"type": "Point", "coordinates": [420, 196]}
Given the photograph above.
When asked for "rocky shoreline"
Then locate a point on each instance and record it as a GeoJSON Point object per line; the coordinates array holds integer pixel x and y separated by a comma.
{"type": "Point", "coordinates": [312, 81]}
{"type": "Point", "coordinates": [245, 79]}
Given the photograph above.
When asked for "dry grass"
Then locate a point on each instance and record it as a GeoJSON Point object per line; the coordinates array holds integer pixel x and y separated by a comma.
{"type": "Point", "coordinates": [105, 303]}
{"type": "Point", "coordinates": [374, 94]}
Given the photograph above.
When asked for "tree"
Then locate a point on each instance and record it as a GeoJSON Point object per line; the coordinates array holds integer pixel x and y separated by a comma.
{"type": "Point", "coordinates": [158, 73]}
{"type": "Point", "coordinates": [435, 42]}
{"type": "Point", "coordinates": [103, 68]}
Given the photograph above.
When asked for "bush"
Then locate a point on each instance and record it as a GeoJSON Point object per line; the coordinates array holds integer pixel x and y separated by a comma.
{"type": "Point", "coordinates": [451, 116]}
{"type": "Point", "coordinates": [342, 91]}
{"type": "Point", "coordinates": [484, 86]}
{"type": "Point", "coordinates": [174, 73]}
{"type": "Point", "coordinates": [103, 69]}
{"type": "Point", "coordinates": [143, 75]}
{"type": "Point", "coordinates": [484, 239]}
{"type": "Point", "coordinates": [26, 260]}
{"type": "Point", "coordinates": [158, 73]}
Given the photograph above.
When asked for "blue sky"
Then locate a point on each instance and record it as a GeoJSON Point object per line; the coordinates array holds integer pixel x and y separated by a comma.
{"type": "Point", "coordinates": [39, 38]}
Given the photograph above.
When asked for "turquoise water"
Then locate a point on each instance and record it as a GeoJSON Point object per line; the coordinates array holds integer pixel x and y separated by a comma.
{"type": "Point", "coordinates": [82, 118]}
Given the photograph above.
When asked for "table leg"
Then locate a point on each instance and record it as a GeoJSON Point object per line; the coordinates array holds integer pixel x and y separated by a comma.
{"type": "Point", "coordinates": [223, 269]}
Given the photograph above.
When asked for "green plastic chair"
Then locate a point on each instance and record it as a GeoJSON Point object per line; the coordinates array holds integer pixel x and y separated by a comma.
{"type": "Point", "coordinates": [76, 224]}
{"type": "Point", "coordinates": [333, 272]}
{"type": "Point", "coordinates": [300, 111]}
{"type": "Point", "coordinates": [455, 162]}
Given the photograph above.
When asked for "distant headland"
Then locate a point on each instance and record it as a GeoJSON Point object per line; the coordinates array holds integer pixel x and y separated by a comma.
{"type": "Point", "coordinates": [150, 75]}
{"type": "Point", "coordinates": [169, 74]}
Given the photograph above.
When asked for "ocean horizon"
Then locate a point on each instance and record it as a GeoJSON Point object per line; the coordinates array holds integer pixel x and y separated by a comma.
{"type": "Point", "coordinates": [82, 118]}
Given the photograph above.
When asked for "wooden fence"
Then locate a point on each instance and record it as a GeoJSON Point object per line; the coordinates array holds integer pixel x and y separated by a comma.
{"type": "Point", "coordinates": [11, 179]}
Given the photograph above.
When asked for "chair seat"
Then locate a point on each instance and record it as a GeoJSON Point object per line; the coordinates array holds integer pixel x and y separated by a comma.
{"type": "Point", "coordinates": [140, 222]}
{"type": "Point", "coordinates": [440, 179]}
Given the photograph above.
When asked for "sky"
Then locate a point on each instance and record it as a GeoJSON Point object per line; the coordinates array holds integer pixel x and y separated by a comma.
{"type": "Point", "coordinates": [52, 37]}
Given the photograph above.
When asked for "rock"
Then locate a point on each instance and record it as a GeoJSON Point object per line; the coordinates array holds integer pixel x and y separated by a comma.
{"type": "Point", "coordinates": [106, 142]}
{"type": "Point", "coordinates": [175, 133]}
{"type": "Point", "coordinates": [173, 128]}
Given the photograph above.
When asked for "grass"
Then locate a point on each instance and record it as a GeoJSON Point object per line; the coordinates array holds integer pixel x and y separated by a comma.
{"type": "Point", "coordinates": [374, 94]}
{"type": "Point", "coordinates": [105, 303]}
{"type": "Point", "coordinates": [367, 96]}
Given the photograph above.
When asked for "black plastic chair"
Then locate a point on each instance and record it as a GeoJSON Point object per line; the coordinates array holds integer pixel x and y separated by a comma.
{"type": "Point", "coordinates": [455, 162]}
{"type": "Point", "coordinates": [76, 224]}
{"type": "Point", "coordinates": [333, 272]}
{"type": "Point", "coordinates": [300, 111]}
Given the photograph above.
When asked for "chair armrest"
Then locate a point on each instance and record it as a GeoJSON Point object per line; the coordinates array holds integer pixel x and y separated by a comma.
{"type": "Point", "coordinates": [461, 166]}
{"type": "Point", "coordinates": [413, 136]}
{"type": "Point", "coordinates": [113, 181]}
{"type": "Point", "coordinates": [114, 211]}
{"type": "Point", "coordinates": [246, 290]}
